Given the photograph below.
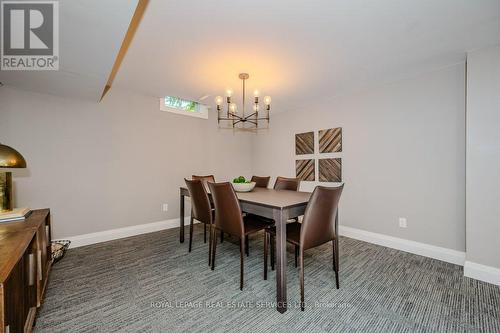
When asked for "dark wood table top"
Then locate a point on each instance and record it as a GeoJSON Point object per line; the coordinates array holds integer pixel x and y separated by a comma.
{"type": "Point", "coordinates": [273, 198]}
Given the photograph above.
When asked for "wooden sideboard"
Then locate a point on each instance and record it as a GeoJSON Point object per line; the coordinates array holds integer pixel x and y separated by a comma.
{"type": "Point", "coordinates": [25, 261]}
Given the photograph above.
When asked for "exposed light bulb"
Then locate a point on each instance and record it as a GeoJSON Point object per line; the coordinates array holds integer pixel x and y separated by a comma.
{"type": "Point", "coordinates": [232, 107]}
{"type": "Point", "coordinates": [218, 100]}
{"type": "Point", "coordinates": [256, 93]}
{"type": "Point", "coordinates": [229, 93]}
{"type": "Point", "coordinates": [267, 100]}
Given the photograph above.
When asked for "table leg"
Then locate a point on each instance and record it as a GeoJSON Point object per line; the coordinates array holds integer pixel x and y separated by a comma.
{"type": "Point", "coordinates": [280, 218]}
{"type": "Point", "coordinates": [182, 219]}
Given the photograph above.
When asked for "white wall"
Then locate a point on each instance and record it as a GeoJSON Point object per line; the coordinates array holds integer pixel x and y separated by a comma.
{"type": "Point", "coordinates": [483, 158]}
{"type": "Point", "coordinates": [107, 165]}
{"type": "Point", "coordinates": [403, 155]}
{"type": "Point", "coordinates": [111, 165]}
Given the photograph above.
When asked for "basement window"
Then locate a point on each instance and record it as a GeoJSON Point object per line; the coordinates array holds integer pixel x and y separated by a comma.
{"type": "Point", "coordinates": [183, 106]}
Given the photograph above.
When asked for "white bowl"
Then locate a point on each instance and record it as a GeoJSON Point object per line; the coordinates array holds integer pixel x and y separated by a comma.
{"type": "Point", "coordinates": [243, 187]}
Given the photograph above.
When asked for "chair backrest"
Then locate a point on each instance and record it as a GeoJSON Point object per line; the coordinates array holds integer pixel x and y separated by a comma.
{"type": "Point", "coordinates": [208, 178]}
{"type": "Point", "coordinates": [261, 181]}
{"type": "Point", "coordinates": [204, 179]}
{"type": "Point", "coordinates": [227, 209]}
{"type": "Point", "coordinates": [290, 184]}
{"type": "Point", "coordinates": [320, 221]}
{"type": "Point", "coordinates": [200, 203]}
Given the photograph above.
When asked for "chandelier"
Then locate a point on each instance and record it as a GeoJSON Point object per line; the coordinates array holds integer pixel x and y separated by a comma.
{"type": "Point", "coordinates": [234, 118]}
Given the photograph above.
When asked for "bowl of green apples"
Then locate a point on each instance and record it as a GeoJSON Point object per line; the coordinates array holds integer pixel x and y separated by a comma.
{"type": "Point", "coordinates": [240, 184]}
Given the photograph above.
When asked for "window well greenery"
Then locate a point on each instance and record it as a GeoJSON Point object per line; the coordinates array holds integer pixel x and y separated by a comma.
{"type": "Point", "coordinates": [181, 104]}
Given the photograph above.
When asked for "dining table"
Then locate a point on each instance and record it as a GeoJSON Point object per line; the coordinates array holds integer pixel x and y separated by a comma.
{"type": "Point", "coordinates": [278, 205]}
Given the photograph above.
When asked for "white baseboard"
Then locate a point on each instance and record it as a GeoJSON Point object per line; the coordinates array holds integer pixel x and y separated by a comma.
{"type": "Point", "coordinates": [440, 253]}
{"type": "Point", "coordinates": [431, 251]}
{"type": "Point", "coordinates": [107, 235]}
{"type": "Point", "coordinates": [482, 272]}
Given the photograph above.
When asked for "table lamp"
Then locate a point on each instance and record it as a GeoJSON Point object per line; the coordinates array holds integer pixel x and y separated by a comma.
{"type": "Point", "coordinates": [9, 158]}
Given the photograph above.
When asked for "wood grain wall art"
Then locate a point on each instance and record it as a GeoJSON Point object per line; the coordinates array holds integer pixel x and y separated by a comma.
{"type": "Point", "coordinates": [330, 170]}
{"type": "Point", "coordinates": [304, 170]}
{"type": "Point", "coordinates": [304, 143]}
{"type": "Point", "coordinates": [330, 140]}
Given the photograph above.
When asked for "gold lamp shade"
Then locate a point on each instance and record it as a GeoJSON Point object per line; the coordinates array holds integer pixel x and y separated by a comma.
{"type": "Point", "coordinates": [9, 158]}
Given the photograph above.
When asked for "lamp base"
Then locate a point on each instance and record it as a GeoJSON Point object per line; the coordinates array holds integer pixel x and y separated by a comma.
{"type": "Point", "coordinates": [5, 192]}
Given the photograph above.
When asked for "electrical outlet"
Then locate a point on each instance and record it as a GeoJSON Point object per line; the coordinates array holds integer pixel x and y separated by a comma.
{"type": "Point", "coordinates": [403, 222]}
{"type": "Point", "coordinates": [164, 207]}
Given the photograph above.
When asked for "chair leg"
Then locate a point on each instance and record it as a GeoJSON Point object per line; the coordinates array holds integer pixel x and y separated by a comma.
{"type": "Point", "coordinates": [333, 256]}
{"type": "Point", "coordinates": [204, 232]}
{"type": "Point", "coordinates": [273, 247]}
{"type": "Point", "coordinates": [336, 261]}
{"type": "Point", "coordinates": [221, 236]}
{"type": "Point", "coordinates": [301, 259]}
{"type": "Point", "coordinates": [266, 247]}
{"type": "Point", "coordinates": [209, 245]}
{"type": "Point", "coordinates": [247, 247]}
{"type": "Point", "coordinates": [214, 244]}
{"type": "Point", "coordinates": [296, 255]}
{"type": "Point", "coordinates": [242, 256]}
{"type": "Point", "coordinates": [190, 233]}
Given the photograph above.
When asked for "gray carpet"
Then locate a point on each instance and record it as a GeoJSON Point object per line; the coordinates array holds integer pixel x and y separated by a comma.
{"type": "Point", "coordinates": [144, 284]}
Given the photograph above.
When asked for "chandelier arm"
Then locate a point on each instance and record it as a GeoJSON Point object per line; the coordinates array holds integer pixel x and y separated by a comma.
{"type": "Point", "coordinates": [251, 115]}
{"type": "Point", "coordinates": [237, 121]}
{"type": "Point", "coordinates": [251, 122]}
{"type": "Point", "coordinates": [226, 118]}
{"type": "Point", "coordinates": [234, 116]}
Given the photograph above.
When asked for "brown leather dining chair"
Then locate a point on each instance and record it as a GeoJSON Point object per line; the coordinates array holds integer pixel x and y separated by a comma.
{"type": "Point", "coordinates": [205, 180]}
{"type": "Point", "coordinates": [229, 219]}
{"type": "Point", "coordinates": [319, 226]}
{"type": "Point", "coordinates": [208, 179]}
{"type": "Point", "coordinates": [290, 184]}
{"type": "Point", "coordinates": [201, 210]}
{"type": "Point", "coordinates": [261, 181]}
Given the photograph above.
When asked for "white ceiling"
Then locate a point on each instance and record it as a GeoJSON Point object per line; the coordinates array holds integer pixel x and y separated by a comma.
{"type": "Point", "coordinates": [294, 50]}
{"type": "Point", "coordinates": [298, 50]}
{"type": "Point", "coordinates": [90, 35]}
